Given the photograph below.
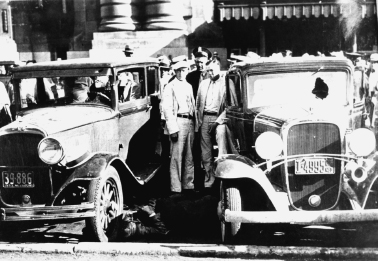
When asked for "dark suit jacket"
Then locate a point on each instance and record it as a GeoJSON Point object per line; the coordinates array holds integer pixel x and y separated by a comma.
{"type": "Point", "coordinates": [193, 79]}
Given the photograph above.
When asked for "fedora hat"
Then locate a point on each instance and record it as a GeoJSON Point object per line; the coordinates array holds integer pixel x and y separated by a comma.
{"type": "Point", "coordinates": [128, 49]}
{"type": "Point", "coordinates": [374, 57]}
{"type": "Point", "coordinates": [164, 61]}
{"type": "Point", "coordinates": [180, 64]}
{"type": "Point", "coordinates": [202, 52]}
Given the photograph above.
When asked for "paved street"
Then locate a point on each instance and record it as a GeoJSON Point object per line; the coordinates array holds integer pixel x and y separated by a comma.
{"type": "Point", "coordinates": [311, 236]}
{"type": "Point", "coordinates": [66, 241]}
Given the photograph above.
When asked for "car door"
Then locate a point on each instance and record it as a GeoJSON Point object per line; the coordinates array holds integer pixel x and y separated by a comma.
{"type": "Point", "coordinates": [140, 119]}
{"type": "Point", "coordinates": [134, 105]}
{"type": "Point", "coordinates": [359, 94]}
{"type": "Point", "coordinates": [234, 109]}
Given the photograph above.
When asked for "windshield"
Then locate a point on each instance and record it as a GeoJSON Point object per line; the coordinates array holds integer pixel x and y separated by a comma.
{"type": "Point", "coordinates": [41, 92]}
{"type": "Point", "coordinates": [297, 89]}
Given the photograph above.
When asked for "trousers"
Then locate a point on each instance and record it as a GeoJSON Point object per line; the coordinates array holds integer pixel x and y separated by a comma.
{"type": "Point", "coordinates": [207, 143]}
{"type": "Point", "coordinates": [181, 165]}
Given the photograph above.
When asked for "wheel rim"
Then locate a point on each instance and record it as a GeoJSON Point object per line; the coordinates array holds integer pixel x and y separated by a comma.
{"type": "Point", "coordinates": [109, 203]}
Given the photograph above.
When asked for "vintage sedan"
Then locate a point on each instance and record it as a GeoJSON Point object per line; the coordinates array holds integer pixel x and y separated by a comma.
{"type": "Point", "coordinates": [303, 157]}
{"type": "Point", "coordinates": [84, 139]}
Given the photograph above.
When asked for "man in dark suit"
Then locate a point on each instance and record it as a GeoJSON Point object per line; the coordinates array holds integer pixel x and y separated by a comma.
{"type": "Point", "coordinates": [201, 57]}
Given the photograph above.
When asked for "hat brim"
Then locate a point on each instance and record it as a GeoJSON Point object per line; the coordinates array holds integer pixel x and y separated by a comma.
{"type": "Point", "coordinates": [179, 65]}
{"type": "Point", "coordinates": [203, 53]}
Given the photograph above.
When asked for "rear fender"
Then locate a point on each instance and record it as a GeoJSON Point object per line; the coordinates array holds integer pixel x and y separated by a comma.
{"type": "Point", "coordinates": [236, 166]}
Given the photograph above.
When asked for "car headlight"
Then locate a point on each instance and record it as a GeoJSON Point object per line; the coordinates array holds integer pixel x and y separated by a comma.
{"type": "Point", "coordinates": [50, 151]}
{"type": "Point", "coordinates": [362, 142]}
{"type": "Point", "coordinates": [268, 145]}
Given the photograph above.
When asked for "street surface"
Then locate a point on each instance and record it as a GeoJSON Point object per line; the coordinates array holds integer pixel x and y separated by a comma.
{"type": "Point", "coordinates": [192, 219]}
{"type": "Point", "coordinates": [91, 257]}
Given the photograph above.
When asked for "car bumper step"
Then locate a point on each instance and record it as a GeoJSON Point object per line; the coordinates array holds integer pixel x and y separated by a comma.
{"type": "Point", "coordinates": [301, 217]}
{"type": "Point", "coordinates": [47, 213]}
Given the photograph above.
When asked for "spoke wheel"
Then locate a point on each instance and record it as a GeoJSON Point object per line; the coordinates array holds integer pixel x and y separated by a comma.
{"type": "Point", "coordinates": [106, 193]}
{"type": "Point", "coordinates": [230, 199]}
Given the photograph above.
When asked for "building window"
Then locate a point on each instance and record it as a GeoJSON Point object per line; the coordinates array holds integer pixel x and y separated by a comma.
{"type": "Point", "coordinates": [4, 17]}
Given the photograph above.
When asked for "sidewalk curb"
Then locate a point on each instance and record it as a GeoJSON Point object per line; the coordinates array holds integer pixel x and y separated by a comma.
{"type": "Point", "coordinates": [194, 250]}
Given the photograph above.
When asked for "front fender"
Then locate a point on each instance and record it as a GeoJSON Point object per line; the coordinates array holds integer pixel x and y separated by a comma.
{"type": "Point", "coordinates": [89, 170]}
{"type": "Point", "coordinates": [232, 166]}
{"type": "Point", "coordinates": [93, 169]}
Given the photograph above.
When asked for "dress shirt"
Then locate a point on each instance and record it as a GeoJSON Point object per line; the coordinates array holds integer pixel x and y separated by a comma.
{"type": "Point", "coordinates": [183, 92]}
{"type": "Point", "coordinates": [214, 96]}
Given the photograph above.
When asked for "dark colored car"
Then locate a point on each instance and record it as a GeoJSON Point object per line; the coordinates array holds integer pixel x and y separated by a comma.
{"type": "Point", "coordinates": [85, 137]}
{"type": "Point", "coordinates": [304, 156]}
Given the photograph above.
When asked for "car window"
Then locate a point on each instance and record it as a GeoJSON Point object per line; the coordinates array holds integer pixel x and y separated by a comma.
{"type": "Point", "coordinates": [46, 91]}
{"type": "Point", "coordinates": [358, 83]}
{"type": "Point", "coordinates": [233, 92]}
{"type": "Point", "coordinates": [152, 80]}
{"type": "Point", "coordinates": [3, 70]}
{"type": "Point", "coordinates": [297, 88]}
{"type": "Point", "coordinates": [131, 85]}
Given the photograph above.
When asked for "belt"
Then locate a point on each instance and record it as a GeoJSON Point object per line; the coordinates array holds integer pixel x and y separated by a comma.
{"type": "Point", "coordinates": [210, 113]}
{"type": "Point", "coordinates": [185, 116]}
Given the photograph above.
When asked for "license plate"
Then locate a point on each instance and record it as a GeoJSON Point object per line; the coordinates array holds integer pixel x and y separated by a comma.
{"type": "Point", "coordinates": [18, 179]}
{"type": "Point", "coordinates": [306, 166]}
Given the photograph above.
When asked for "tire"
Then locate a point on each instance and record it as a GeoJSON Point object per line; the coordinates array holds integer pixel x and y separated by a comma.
{"type": "Point", "coordinates": [106, 193]}
{"type": "Point", "coordinates": [230, 199]}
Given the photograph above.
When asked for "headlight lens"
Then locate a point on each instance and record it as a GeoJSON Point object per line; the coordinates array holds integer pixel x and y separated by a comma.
{"type": "Point", "coordinates": [362, 142]}
{"type": "Point", "coordinates": [269, 145]}
{"type": "Point", "coordinates": [50, 151]}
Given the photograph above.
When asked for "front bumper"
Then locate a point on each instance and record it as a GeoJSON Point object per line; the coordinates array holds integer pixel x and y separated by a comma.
{"type": "Point", "coordinates": [83, 210]}
{"type": "Point", "coordinates": [301, 217]}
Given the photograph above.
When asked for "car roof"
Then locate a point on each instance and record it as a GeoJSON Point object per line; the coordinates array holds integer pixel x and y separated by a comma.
{"type": "Point", "coordinates": [7, 62]}
{"type": "Point", "coordinates": [289, 62]}
{"type": "Point", "coordinates": [86, 63]}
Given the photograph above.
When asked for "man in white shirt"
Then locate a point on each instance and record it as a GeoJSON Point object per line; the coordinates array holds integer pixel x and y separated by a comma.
{"type": "Point", "coordinates": [210, 105]}
{"type": "Point", "coordinates": [179, 110]}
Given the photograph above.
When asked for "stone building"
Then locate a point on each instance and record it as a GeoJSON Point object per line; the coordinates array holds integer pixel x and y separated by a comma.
{"type": "Point", "coordinates": [50, 29]}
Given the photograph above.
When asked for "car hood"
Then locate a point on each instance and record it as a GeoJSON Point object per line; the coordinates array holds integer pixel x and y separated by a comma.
{"type": "Point", "coordinates": [279, 115]}
{"type": "Point", "coordinates": [56, 119]}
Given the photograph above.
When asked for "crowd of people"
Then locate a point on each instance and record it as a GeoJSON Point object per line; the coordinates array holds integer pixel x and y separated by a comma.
{"type": "Point", "coordinates": [192, 123]}
{"type": "Point", "coordinates": [192, 116]}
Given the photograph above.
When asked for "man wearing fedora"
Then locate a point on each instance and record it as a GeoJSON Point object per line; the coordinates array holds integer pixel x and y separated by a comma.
{"type": "Point", "coordinates": [179, 110]}
{"type": "Point", "coordinates": [129, 52]}
{"type": "Point", "coordinates": [201, 57]}
{"type": "Point", "coordinates": [211, 116]}
{"type": "Point", "coordinates": [165, 76]}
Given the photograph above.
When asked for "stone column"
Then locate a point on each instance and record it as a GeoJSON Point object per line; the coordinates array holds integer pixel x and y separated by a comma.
{"type": "Point", "coordinates": [164, 15]}
{"type": "Point", "coordinates": [8, 50]}
{"type": "Point", "coordinates": [116, 16]}
{"type": "Point", "coordinates": [354, 42]}
{"type": "Point", "coordinates": [262, 40]}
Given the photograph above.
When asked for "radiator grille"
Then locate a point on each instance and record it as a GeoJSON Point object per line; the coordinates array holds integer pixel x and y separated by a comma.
{"type": "Point", "coordinates": [19, 153]}
{"type": "Point", "coordinates": [313, 138]}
